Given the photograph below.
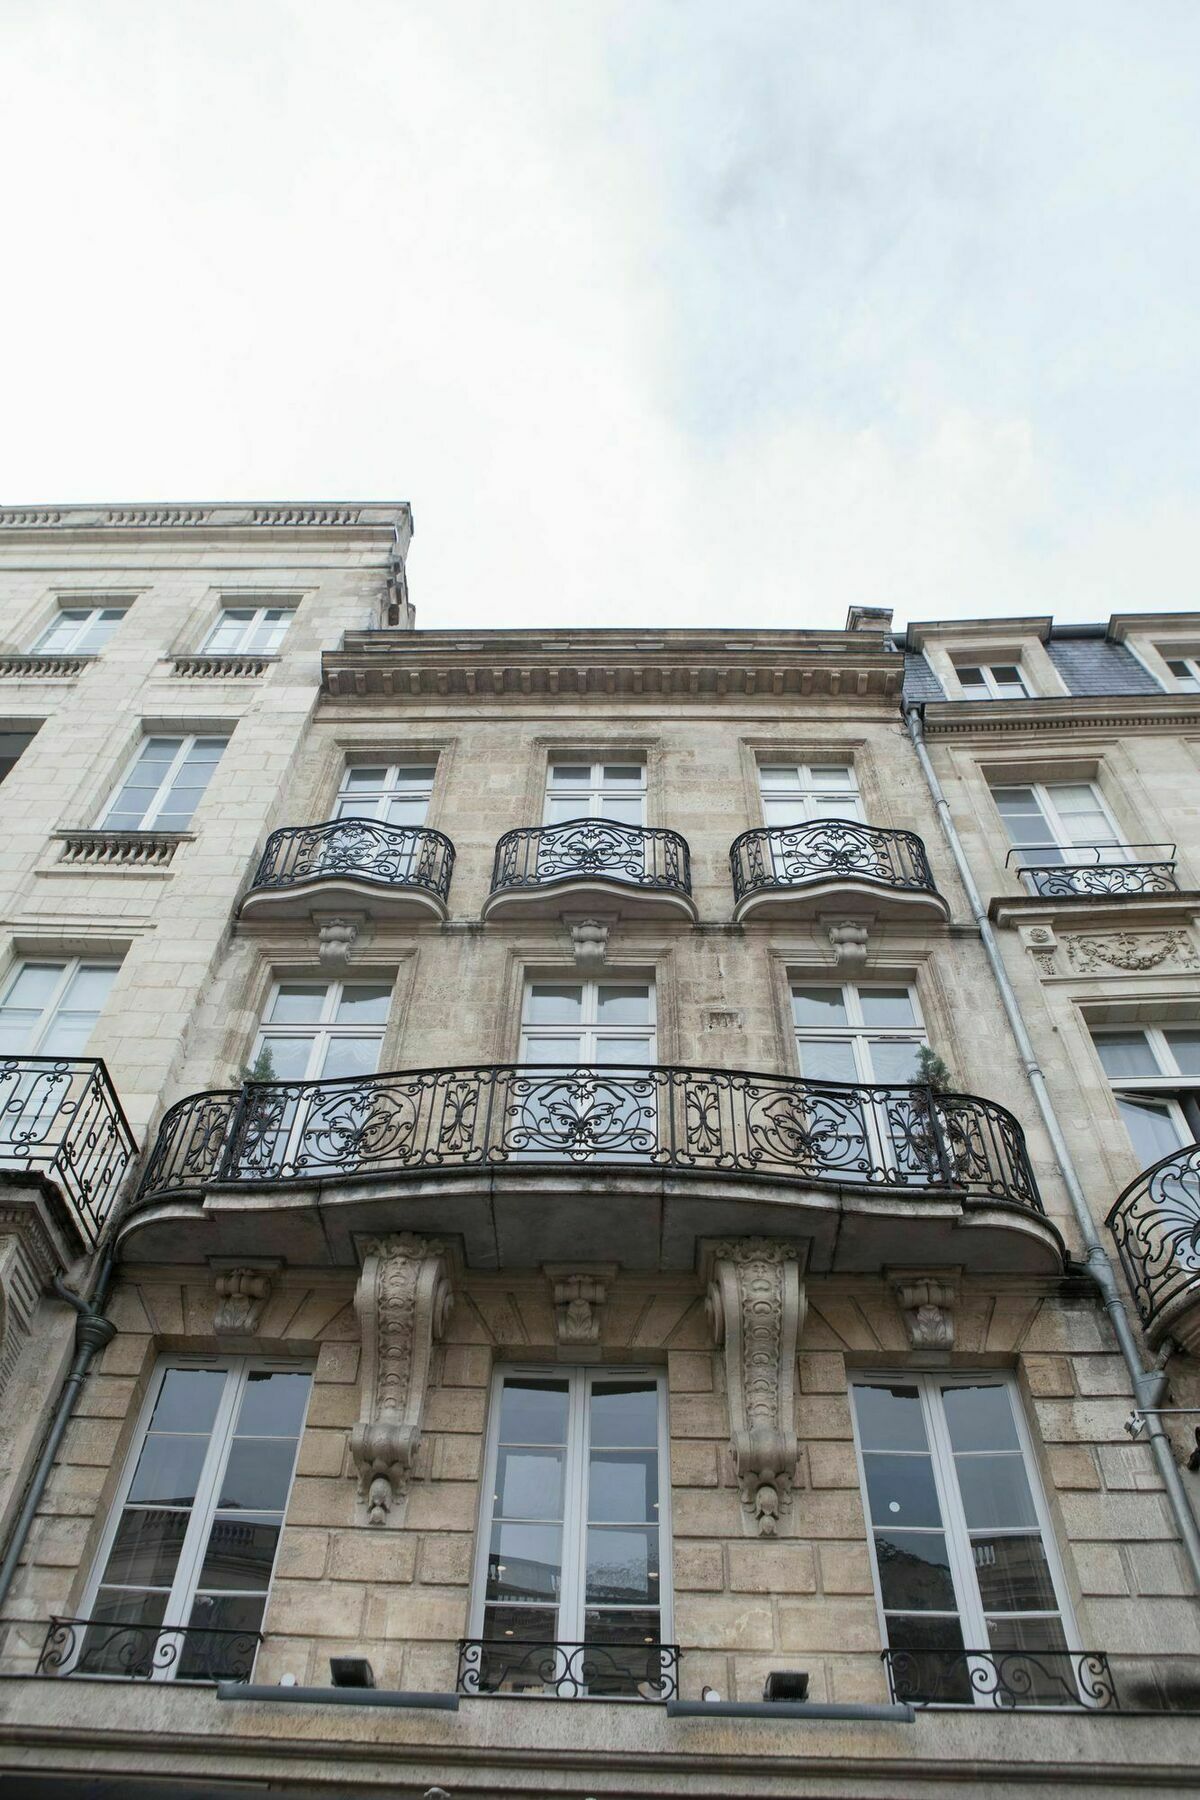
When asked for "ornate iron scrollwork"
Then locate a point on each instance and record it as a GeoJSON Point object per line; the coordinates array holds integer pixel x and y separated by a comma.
{"type": "Point", "coordinates": [62, 1118]}
{"type": "Point", "coordinates": [357, 850]}
{"type": "Point", "coordinates": [599, 849]}
{"type": "Point", "coordinates": [147, 1652]}
{"type": "Point", "coordinates": [1156, 1225]}
{"type": "Point", "coordinates": [784, 856]}
{"type": "Point", "coordinates": [1010, 1680]}
{"type": "Point", "coordinates": [1054, 881]}
{"type": "Point", "coordinates": [587, 1671]}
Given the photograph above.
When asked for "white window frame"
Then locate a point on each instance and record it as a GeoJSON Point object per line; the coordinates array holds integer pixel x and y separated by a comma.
{"type": "Point", "coordinates": [807, 790]}
{"type": "Point", "coordinates": [971, 1613]}
{"type": "Point", "coordinates": [203, 1509]}
{"type": "Point", "coordinates": [94, 615]}
{"type": "Point", "coordinates": [593, 792]}
{"type": "Point", "coordinates": [572, 1605]}
{"type": "Point", "coordinates": [323, 1031]}
{"type": "Point", "coordinates": [164, 790]}
{"type": "Point", "coordinates": [1161, 1088]}
{"type": "Point", "coordinates": [993, 687]}
{"type": "Point", "coordinates": [1184, 684]}
{"type": "Point", "coordinates": [587, 1026]}
{"type": "Point", "coordinates": [71, 965]}
{"type": "Point", "coordinates": [259, 616]}
{"type": "Point", "coordinates": [1043, 794]}
{"type": "Point", "coordinates": [857, 1033]}
{"type": "Point", "coordinates": [375, 807]}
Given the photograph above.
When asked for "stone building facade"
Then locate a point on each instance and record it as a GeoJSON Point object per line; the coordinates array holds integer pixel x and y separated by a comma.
{"type": "Point", "coordinates": [521, 1182]}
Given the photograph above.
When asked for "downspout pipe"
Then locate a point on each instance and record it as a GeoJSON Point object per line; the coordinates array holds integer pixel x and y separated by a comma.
{"type": "Point", "coordinates": [92, 1332]}
{"type": "Point", "coordinates": [1147, 1384]}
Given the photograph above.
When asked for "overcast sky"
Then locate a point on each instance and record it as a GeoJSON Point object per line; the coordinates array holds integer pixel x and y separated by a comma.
{"type": "Point", "coordinates": [658, 311]}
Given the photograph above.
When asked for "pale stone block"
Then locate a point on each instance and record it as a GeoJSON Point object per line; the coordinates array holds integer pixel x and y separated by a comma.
{"type": "Point", "coordinates": [91, 1441]}
{"type": "Point", "coordinates": [698, 1566]}
{"type": "Point", "coordinates": [407, 1613]}
{"type": "Point", "coordinates": [337, 1362]}
{"type": "Point", "coordinates": [1116, 1517]}
{"type": "Point", "coordinates": [1011, 1320]}
{"type": "Point", "coordinates": [321, 1500]}
{"type": "Point", "coordinates": [1059, 1327]}
{"type": "Point", "coordinates": [333, 1403]}
{"type": "Point", "coordinates": [373, 1556]}
{"type": "Point", "coordinates": [457, 1458]}
{"type": "Point", "coordinates": [302, 1554]}
{"type": "Point", "coordinates": [466, 1365]}
{"type": "Point", "coordinates": [690, 1372]}
{"type": "Point", "coordinates": [455, 1409]}
{"type": "Point", "coordinates": [127, 1354]}
{"type": "Point", "coordinates": [441, 1506]}
{"type": "Point", "coordinates": [845, 1321]}
{"type": "Point", "coordinates": [1082, 1421]}
{"type": "Point", "coordinates": [1048, 1375]}
{"type": "Point", "coordinates": [846, 1569]}
{"type": "Point", "coordinates": [772, 1568]}
{"type": "Point", "coordinates": [822, 1372]}
{"type": "Point", "coordinates": [1158, 1569]}
{"type": "Point", "coordinates": [73, 1490]}
{"type": "Point", "coordinates": [1100, 1569]}
{"type": "Point", "coordinates": [820, 1624]}
{"type": "Point", "coordinates": [1129, 1466]}
{"type": "Point", "coordinates": [430, 1668]}
{"type": "Point", "coordinates": [321, 1453]}
{"type": "Point", "coordinates": [105, 1398]}
{"type": "Point", "coordinates": [699, 1416]}
{"type": "Point", "coordinates": [1073, 1466]}
{"type": "Point", "coordinates": [447, 1561]}
{"type": "Point", "coordinates": [834, 1513]}
{"type": "Point", "coordinates": [1131, 1627]}
{"type": "Point", "coordinates": [1102, 1375]}
{"type": "Point", "coordinates": [832, 1466]}
{"type": "Point", "coordinates": [856, 1679]}
{"type": "Point", "coordinates": [822, 1416]}
{"type": "Point", "coordinates": [723, 1623]}
{"type": "Point", "coordinates": [319, 1610]}
{"type": "Point", "coordinates": [706, 1512]}
{"type": "Point", "coordinates": [58, 1541]}
{"type": "Point", "coordinates": [693, 1463]}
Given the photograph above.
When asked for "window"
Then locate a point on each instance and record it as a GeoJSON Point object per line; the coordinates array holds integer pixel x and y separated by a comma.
{"type": "Point", "coordinates": [964, 1558]}
{"type": "Point", "coordinates": [13, 745]}
{"type": "Point", "coordinates": [1155, 1076]}
{"type": "Point", "coordinates": [573, 1541]}
{"type": "Point", "coordinates": [181, 1580]}
{"type": "Point", "coordinates": [165, 784]}
{"type": "Point", "coordinates": [588, 1022]}
{"type": "Point", "coordinates": [1185, 669]}
{"type": "Point", "coordinates": [600, 790]}
{"type": "Point", "coordinates": [1059, 822]}
{"type": "Point", "coordinates": [794, 793]}
{"type": "Point", "coordinates": [79, 630]}
{"type": "Point", "coordinates": [857, 1034]}
{"type": "Point", "coordinates": [49, 1008]}
{"type": "Point", "coordinates": [319, 1030]}
{"type": "Point", "coordinates": [248, 630]}
{"type": "Point", "coordinates": [392, 793]}
{"type": "Point", "coordinates": [991, 681]}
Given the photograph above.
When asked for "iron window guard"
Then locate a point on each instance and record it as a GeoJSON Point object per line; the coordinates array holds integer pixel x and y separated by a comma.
{"type": "Point", "coordinates": [60, 1117]}
{"type": "Point", "coordinates": [1013, 1680]}
{"type": "Point", "coordinates": [597, 849]}
{"type": "Point", "coordinates": [1155, 1223]}
{"type": "Point", "coordinates": [582, 1671]}
{"type": "Point", "coordinates": [360, 850]}
{"type": "Point", "coordinates": [707, 1121]}
{"type": "Point", "coordinates": [1152, 874]}
{"type": "Point", "coordinates": [780, 856]}
{"type": "Point", "coordinates": [140, 1652]}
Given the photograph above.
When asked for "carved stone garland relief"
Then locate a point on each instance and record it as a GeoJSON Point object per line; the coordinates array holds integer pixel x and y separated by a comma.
{"type": "Point", "coordinates": [1092, 953]}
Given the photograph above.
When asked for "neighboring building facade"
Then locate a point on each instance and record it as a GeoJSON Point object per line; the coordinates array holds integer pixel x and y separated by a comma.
{"type": "Point", "coordinates": [471, 1311]}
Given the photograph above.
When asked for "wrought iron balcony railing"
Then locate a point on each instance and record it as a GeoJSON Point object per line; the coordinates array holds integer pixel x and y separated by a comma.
{"type": "Point", "coordinates": [703, 1121]}
{"type": "Point", "coordinates": [60, 1117]}
{"type": "Point", "coordinates": [823, 850]}
{"type": "Point", "coordinates": [1156, 1225]}
{"type": "Point", "coordinates": [592, 849]}
{"type": "Point", "coordinates": [589, 1671]}
{"type": "Point", "coordinates": [1009, 1680]}
{"type": "Point", "coordinates": [357, 850]}
{"type": "Point", "coordinates": [1095, 871]}
{"type": "Point", "coordinates": [147, 1652]}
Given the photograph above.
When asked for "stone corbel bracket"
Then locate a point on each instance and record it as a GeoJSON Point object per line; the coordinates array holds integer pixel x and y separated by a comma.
{"type": "Point", "coordinates": [338, 935]}
{"type": "Point", "coordinates": [242, 1291]}
{"type": "Point", "coordinates": [927, 1299]}
{"type": "Point", "coordinates": [756, 1305]}
{"type": "Point", "coordinates": [402, 1300]}
{"type": "Point", "coordinates": [579, 1292]}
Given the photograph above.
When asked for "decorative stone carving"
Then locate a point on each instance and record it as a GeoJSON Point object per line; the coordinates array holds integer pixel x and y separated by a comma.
{"type": "Point", "coordinates": [927, 1299]}
{"type": "Point", "coordinates": [721, 1018]}
{"type": "Point", "coordinates": [241, 1296]}
{"type": "Point", "coordinates": [756, 1304]}
{"type": "Point", "coordinates": [402, 1300]}
{"type": "Point", "coordinates": [579, 1291]}
{"type": "Point", "coordinates": [1041, 944]}
{"type": "Point", "coordinates": [589, 940]}
{"type": "Point", "coordinates": [849, 940]}
{"type": "Point", "coordinates": [335, 940]}
{"type": "Point", "coordinates": [28, 1263]}
{"type": "Point", "coordinates": [1132, 950]}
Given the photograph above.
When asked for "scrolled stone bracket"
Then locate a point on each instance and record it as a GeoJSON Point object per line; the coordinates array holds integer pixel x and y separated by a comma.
{"type": "Point", "coordinates": [579, 1292]}
{"type": "Point", "coordinates": [242, 1293]}
{"type": "Point", "coordinates": [403, 1299]}
{"type": "Point", "coordinates": [927, 1299]}
{"type": "Point", "coordinates": [756, 1305]}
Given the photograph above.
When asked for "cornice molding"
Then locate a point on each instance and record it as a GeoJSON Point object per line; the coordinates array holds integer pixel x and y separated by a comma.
{"type": "Point", "coordinates": [1080, 912]}
{"type": "Point", "coordinates": [1109, 712]}
{"type": "Point", "coordinates": [211, 516]}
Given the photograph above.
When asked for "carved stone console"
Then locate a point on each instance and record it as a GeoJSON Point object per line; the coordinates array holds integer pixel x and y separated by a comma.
{"type": "Point", "coordinates": [927, 1299]}
{"type": "Point", "coordinates": [402, 1301]}
{"type": "Point", "coordinates": [756, 1304]}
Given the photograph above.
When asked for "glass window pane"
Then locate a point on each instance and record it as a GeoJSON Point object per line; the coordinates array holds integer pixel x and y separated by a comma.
{"type": "Point", "coordinates": [364, 1003]}
{"type": "Point", "coordinates": [258, 1474]}
{"type": "Point", "coordinates": [289, 1056]}
{"type": "Point", "coordinates": [122, 1635]}
{"type": "Point", "coordinates": [889, 1417]}
{"type": "Point", "coordinates": [624, 1005]}
{"type": "Point", "coordinates": [561, 807]}
{"type": "Point", "coordinates": [550, 1005]}
{"type": "Point", "coordinates": [168, 1470]}
{"type": "Point", "coordinates": [529, 1483]}
{"type": "Point", "coordinates": [402, 809]}
{"type": "Point", "coordinates": [34, 985]}
{"type": "Point", "coordinates": [623, 1486]}
{"type": "Point", "coordinates": [622, 810]}
{"type": "Point", "coordinates": [995, 1491]}
{"type": "Point", "coordinates": [980, 1418]}
{"type": "Point", "coordinates": [901, 1490]}
{"type": "Point", "coordinates": [574, 774]}
{"type": "Point", "coordinates": [617, 1051]}
{"type": "Point", "coordinates": [533, 1411]}
{"type": "Point", "coordinates": [1185, 1048]}
{"type": "Point", "coordinates": [930, 1666]}
{"type": "Point", "coordinates": [1033, 1635]}
{"type": "Point", "coordinates": [1126, 1053]}
{"type": "Point", "coordinates": [779, 775]}
{"type": "Point", "coordinates": [887, 1006]}
{"type": "Point", "coordinates": [827, 1059]}
{"type": "Point", "coordinates": [273, 1403]}
{"type": "Point", "coordinates": [623, 774]}
{"type": "Point", "coordinates": [221, 1642]}
{"type": "Point", "coordinates": [820, 1007]}
{"type": "Point", "coordinates": [298, 1003]}
{"type": "Point", "coordinates": [553, 1049]}
{"type": "Point", "coordinates": [346, 1056]}
{"type": "Point", "coordinates": [146, 1550]}
{"type": "Point", "coordinates": [1006, 673]}
{"type": "Point", "coordinates": [624, 1414]}
{"type": "Point", "coordinates": [1153, 1128]}
{"type": "Point", "coordinates": [914, 1571]}
{"type": "Point", "coordinates": [832, 775]}
{"type": "Point", "coordinates": [894, 1060]}
{"type": "Point", "coordinates": [88, 988]}
{"type": "Point", "coordinates": [240, 1552]}
{"type": "Point", "coordinates": [515, 1660]}
{"type": "Point", "coordinates": [188, 1400]}
{"type": "Point", "coordinates": [1014, 1575]}
{"type": "Point", "coordinates": [68, 1034]}
{"type": "Point", "coordinates": [355, 780]}
{"type": "Point", "coordinates": [525, 1563]}
{"type": "Point", "coordinates": [622, 1566]}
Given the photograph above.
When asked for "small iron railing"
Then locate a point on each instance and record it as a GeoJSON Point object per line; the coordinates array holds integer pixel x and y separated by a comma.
{"type": "Point", "coordinates": [1155, 1223]}
{"type": "Point", "coordinates": [783, 856]}
{"type": "Point", "coordinates": [597, 849]}
{"type": "Point", "coordinates": [61, 1118]}
{"type": "Point", "coordinates": [147, 1652]}
{"type": "Point", "coordinates": [587, 1671]}
{"type": "Point", "coordinates": [702, 1121]}
{"type": "Point", "coordinates": [358, 850]}
{"type": "Point", "coordinates": [1009, 1680]}
{"type": "Point", "coordinates": [1097, 871]}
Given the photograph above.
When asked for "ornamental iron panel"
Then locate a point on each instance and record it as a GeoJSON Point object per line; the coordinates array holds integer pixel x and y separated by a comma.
{"type": "Point", "coordinates": [587, 1671]}
{"type": "Point", "coordinates": [357, 850]}
{"type": "Point", "coordinates": [1111, 872]}
{"type": "Point", "coordinates": [784, 856]}
{"type": "Point", "coordinates": [706, 1121]}
{"type": "Point", "coordinates": [592, 849]}
{"type": "Point", "coordinates": [60, 1118]}
{"type": "Point", "coordinates": [1009, 1680]}
{"type": "Point", "coordinates": [1156, 1225]}
{"type": "Point", "coordinates": [147, 1652]}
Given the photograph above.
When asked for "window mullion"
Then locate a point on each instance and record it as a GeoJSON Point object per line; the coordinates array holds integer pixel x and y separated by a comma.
{"type": "Point", "coordinates": [571, 1620]}
{"type": "Point", "coordinates": [163, 792]}
{"type": "Point", "coordinates": [50, 1011]}
{"type": "Point", "coordinates": [487, 1511]}
{"type": "Point", "coordinates": [958, 1538]}
{"type": "Point", "coordinates": [204, 1502]}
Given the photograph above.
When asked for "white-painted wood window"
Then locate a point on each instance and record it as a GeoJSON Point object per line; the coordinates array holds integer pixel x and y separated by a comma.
{"type": "Point", "coordinates": [1185, 669]}
{"type": "Point", "coordinates": [164, 784]}
{"type": "Point", "coordinates": [79, 631]}
{"type": "Point", "coordinates": [50, 1006]}
{"type": "Point", "coordinates": [320, 1030]}
{"type": "Point", "coordinates": [964, 1557]}
{"type": "Point", "coordinates": [991, 681]}
{"type": "Point", "coordinates": [249, 630]}
{"type": "Point", "coordinates": [599, 790]}
{"type": "Point", "coordinates": [575, 1534]}
{"type": "Point", "coordinates": [1155, 1076]}
{"type": "Point", "coordinates": [796, 793]}
{"type": "Point", "coordinates": [389, 793]}
{"type": "Point", "coordinates": [857, 1032]}
{"type": "Point", "coordinates": [1059, 822]}
{"type": "Point", "coordinates": [181, 1580]}
{"type": "Point", "coordinates": [584, 1022]}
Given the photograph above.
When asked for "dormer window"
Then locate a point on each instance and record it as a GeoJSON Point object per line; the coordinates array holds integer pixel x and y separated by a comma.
{"type": "Point", "coordinates": [991, 681]}
{"type": "Point", "coordinates": [1186, 671]}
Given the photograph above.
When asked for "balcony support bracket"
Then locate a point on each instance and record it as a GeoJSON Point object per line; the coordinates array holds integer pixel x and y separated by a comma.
{"type": "Point", "coordinates": [927, 1299]}
{"type": "Point", "coordinates": [756, 1305]}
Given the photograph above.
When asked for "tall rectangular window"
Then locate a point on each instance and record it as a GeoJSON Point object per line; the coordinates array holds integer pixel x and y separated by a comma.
{"type": "Point", "coordinates": [853, 1032]}
{"type": "Point", "coordinates": [1155, 1075]}
{"type": "Point", "coordinates": [1059, 823]}
{"type": "Point", "coordinates": [964, 1558]}
{"type": "Point", "coordinates": [50, 1007]}
{"type": "Point", "coordinates": [796, 793]}
{"type": "Point", "coordinates": [588, 1022]}
{"type": "Point", "coordinates": [991, 681]}
{"type": "Point", "coordinates": [248, 630]}
{"type": "Point", "coordinates": [320, 1030]}
{"type": "Point", "coordinates": [13, 745]}
{"type": "Point", "coordinates": [390, 793]}
{"type": "Point", "coordinates": [181, 1581]}
{"type": "Point", "coordinates": [600, 790]}
{"type": "Point", "coordinates": [79, 630]}
{"type": "Point", "coordinates": [575, 1533]}
{"type": "Point", "coordinates": [164, 784]}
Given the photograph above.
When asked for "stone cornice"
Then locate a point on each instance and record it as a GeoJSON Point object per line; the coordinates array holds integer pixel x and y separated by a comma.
{"type": "Point", "coordinates": [676, 665]}
{"type": "Point", "coordinates": [1065, 713]}
{"type": "Point", "coordinates": [218, 516]}
{"type": "Point", "coordinates": [1081, 911]}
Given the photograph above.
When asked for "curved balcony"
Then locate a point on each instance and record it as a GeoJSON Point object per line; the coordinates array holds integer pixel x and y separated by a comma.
{"type": "Point", "coordinates": [791, 871]}
{"type": "Point", "coordinates": [579, 860]}
{"type": "Point", "coordinates": [531, 1163]}
{"type": "Point", "coordinates": [1156, 1225]}
{"type": "Point", "coordinates": [390, 871]}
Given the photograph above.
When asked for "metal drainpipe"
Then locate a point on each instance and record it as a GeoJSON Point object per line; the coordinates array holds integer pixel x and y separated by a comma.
{"type": "Point", "coordinates": [1147, 1385]}
{"type": "Point", "coordinates": [92, 1332]}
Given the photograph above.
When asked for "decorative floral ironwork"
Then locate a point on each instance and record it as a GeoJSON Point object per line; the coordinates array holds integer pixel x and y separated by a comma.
{"type": "Point", "coordinates": [62, 1118]}
{"type": "Point", "coordinates": [357, 850]}
{"type": "Point", "coordinates": [702, 1120]}
{"type": "Point", "coordinates": [1156, 1225]}
{"type": "Point", "coordinates": [587, 1671]}
{"type": "Point", "coordinates": [599, 849]}
{"type": "Point", "coordinates": [1056, 881]}
{"type": "Point", "coordinates": [783, 856]}
{"type": "Point", "coordinates": [1010, 1680]}
{"type": "Point", "coordinates": [147, 1652]}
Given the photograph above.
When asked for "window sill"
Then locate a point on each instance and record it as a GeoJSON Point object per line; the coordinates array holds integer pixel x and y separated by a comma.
{"type": "Point", "coordinates": [118, 852]}
{"type": "Point", "coordinates": [43, 666]}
